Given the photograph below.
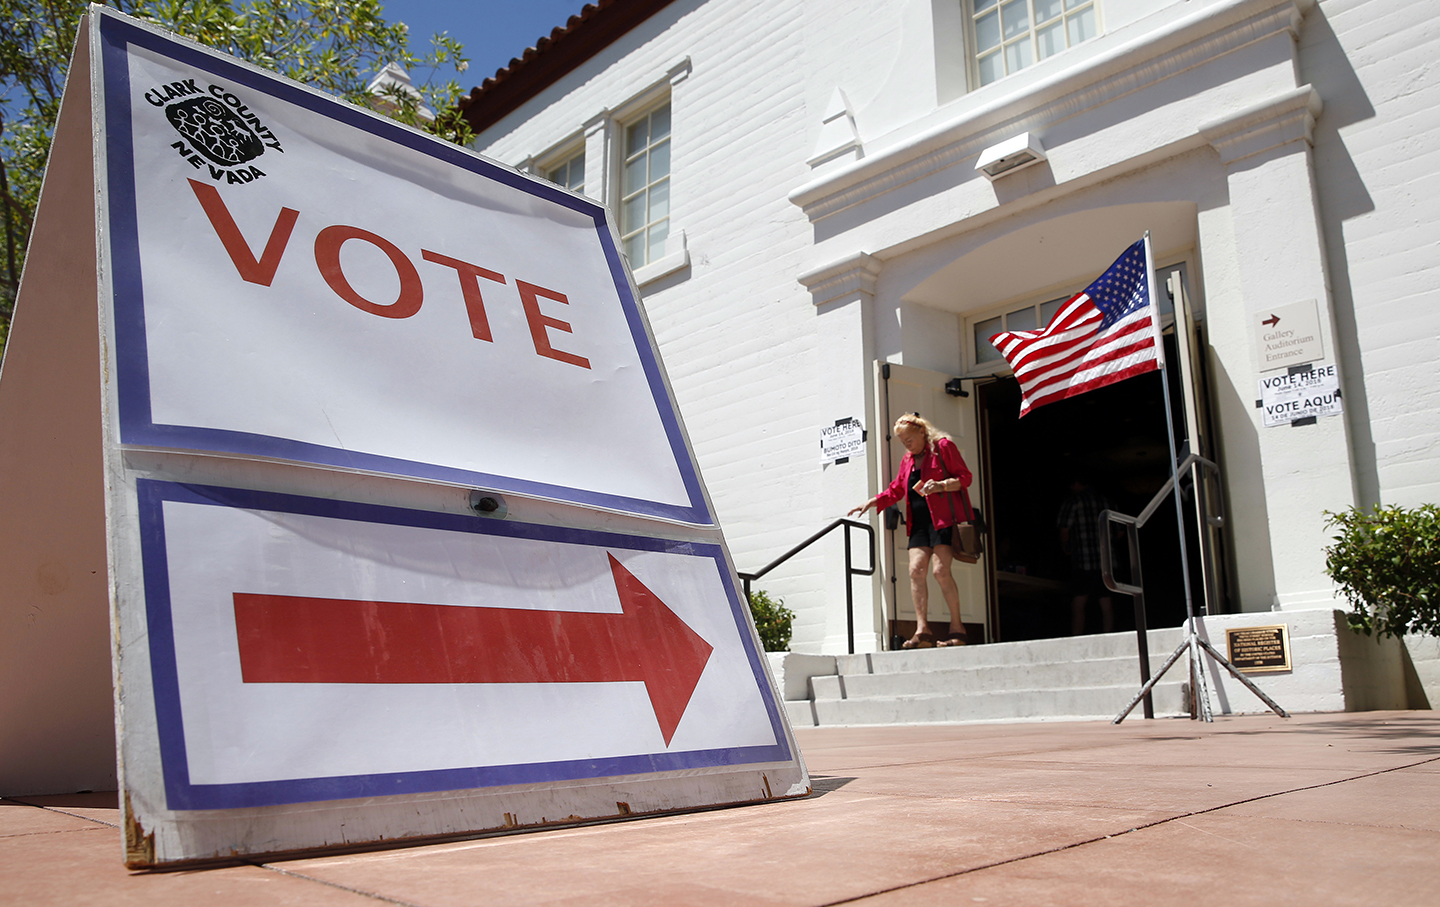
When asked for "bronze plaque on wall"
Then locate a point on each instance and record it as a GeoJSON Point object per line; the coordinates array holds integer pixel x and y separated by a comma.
{"type": "Point", "coordinates": [1259, 649]}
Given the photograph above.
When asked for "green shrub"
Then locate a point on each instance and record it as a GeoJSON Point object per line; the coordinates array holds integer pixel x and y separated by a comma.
{"type": "Point", "coordinates": [1387, 563]}
{"type": "Point", "coordinates": [772, 620]}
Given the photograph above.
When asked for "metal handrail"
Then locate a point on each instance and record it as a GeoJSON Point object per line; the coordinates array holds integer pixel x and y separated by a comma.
{"type": "Point", "coordinates": [851, 570]}
{"type": "Point", "coordinates": [1132, 524]}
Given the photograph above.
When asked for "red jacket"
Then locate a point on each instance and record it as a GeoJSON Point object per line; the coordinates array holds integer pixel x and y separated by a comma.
{"type": "Point", "coordinates": [938, 461]}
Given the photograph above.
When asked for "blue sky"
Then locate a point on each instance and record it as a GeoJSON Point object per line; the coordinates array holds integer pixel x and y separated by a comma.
{"type": "Point", "coordinates": [493, 31]}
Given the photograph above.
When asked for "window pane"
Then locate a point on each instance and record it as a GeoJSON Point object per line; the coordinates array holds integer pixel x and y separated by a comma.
{"type": "Point", "coordinates": [660, 161]}
{"type": "Point", "coordinates": [1074, 4]}
{"type": "Point", "coordinates": [990, 69]}
{"type": "Point", "coordinates": [659, 200]}
{"type": "Point", "coordinates": [1048, 309]}
{"type": "Point", "coordinates": [637, 136]}
{"type": "Point", "coordinates": [1017, 55]}
{"type": "Point", "coordinates": [634, 175]}
{"type": "Point", "coordinates": [570, 174]}
{"type": "Point", "coordinates": [984, 350]}
{"type": "Point", "coordinates": [633, 214]}
{"type": "Point", "coordinates": [1051, 39]}
{"type": "Point", "coordinates": [1021, 319]}
{"type": "Point", "coordinates": [1082, 26]}
{"type": "Point", "coordinates": [635, 249]}
{"type": "Point", "coordinates": [987, 31]}
{"type": "Point", "coordinates": [660, 123]}
{"type": "Point", "coordinates": [1046, 10]}
{"type": "Point", "coordinates": [658, 232]}
{"type": "Point", "coordinates": [982, 5]}
{"type": "Point", "coordinates": [1017, 17]}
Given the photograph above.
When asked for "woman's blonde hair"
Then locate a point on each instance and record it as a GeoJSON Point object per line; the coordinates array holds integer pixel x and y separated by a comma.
{"type": "Point", "coordinates": [917, 421]}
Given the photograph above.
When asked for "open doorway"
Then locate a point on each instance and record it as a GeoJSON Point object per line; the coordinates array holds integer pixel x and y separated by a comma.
{"type": "Point", "coordinates": [1116, 437]}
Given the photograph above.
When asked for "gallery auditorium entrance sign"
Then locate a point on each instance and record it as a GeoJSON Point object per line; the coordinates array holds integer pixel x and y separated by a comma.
{"type": "Point", "coordinates": [324, 337]}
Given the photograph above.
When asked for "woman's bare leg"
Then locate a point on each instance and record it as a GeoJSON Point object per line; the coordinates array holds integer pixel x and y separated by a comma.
{"type": "Point", "coordinates": [940, 564]}
{"type": "Point", "coordinates": [920, 587]}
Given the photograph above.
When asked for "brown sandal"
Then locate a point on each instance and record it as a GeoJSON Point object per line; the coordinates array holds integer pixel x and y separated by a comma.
{"type": "Point", "coordinates": [954, 639]}
{"type": "Point", "coordinates": [920, 640]}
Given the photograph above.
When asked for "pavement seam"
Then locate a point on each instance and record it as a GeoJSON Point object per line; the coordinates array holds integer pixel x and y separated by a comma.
{"type": "Point", "coordinates": [57, 831]}
{"type": "Point", "coordinates": [61, 812]}
{"type": "Point", "coordinates": [368, 894]}
{"type": "Point", "coordinates": [1158, 822]}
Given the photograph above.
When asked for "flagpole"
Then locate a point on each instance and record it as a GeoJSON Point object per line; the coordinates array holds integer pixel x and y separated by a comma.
{"type": "Point", "coordinates": [1197, 676]}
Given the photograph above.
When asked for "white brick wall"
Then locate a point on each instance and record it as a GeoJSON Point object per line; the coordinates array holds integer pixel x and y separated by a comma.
{"type": "Point", "coordinates": [1377, 160]}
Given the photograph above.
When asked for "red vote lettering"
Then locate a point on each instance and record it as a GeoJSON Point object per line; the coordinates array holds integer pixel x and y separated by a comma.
{"type": "Point", "coordinates": [529, 294]}
{"type": "Point", "coordinates": [469, 288]}
{"type": "Point", "coordinates": [251, 270]}
{"type": "Point", "coordinates": [327, 258]}
{"type": "Point", "coordinates": [328, 243]}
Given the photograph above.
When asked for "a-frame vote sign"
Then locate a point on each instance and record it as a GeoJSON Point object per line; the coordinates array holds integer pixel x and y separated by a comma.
{"type": "Point", "coordinates": [317, 333]}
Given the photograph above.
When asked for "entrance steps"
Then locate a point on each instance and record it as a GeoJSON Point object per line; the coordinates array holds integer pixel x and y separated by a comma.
{"type": "Point", "coordinates": [1084, 677]}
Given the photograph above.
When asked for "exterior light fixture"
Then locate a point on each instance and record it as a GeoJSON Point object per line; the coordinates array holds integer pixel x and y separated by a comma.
{"type": "Point", "coordinates": [1010, 155]}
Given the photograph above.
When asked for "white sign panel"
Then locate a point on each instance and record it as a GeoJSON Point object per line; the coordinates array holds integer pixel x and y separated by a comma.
{"type": "Point", "coordinates": [1288, 335]}
{"type": "Point", "coordinates": [297, 279]}
{"type": "Point", "coordinates": [310, 650]}
{"type": "Point", "coordinates": [844, 439]}
{"type": "Point", "coordinates": [1301, 395]}
{"type": "Point", "coordinates": [327, 300]}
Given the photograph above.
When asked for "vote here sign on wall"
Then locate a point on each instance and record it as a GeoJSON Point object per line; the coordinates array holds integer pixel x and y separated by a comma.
{"type": "Point", "coordinates": [317, 332]}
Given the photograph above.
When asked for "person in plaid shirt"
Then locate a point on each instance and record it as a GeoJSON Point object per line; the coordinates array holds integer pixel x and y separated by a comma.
{"type": "Point", "coordinates": [1079, 525]}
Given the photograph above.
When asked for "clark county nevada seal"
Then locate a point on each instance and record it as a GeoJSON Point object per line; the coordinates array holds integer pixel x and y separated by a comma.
{"type": "Point", "coordinates": [221, 134]}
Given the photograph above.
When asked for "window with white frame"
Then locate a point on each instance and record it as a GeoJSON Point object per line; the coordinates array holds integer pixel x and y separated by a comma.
{"type": "Point", "coordinates": [645, 186]}
{"type": "Point", "coordinates": [1010, 35]}
{"type": "Point", "coordinates": [569, 173]}
{"type": "Point", "coordinates": [1023, 318]}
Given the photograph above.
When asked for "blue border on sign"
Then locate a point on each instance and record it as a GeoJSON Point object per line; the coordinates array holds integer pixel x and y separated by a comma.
{"type": "Point", "coordinates": [181, 794]}
{"type": "Point", "coordinates": [132, 367]}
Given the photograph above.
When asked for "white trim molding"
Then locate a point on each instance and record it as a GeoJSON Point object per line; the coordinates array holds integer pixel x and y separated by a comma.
{"type": "Point", "coordinates": [1276, 121]}
{"type": "Point", "coordinates": [1118, 66]}
{"type": "Point", "coordinates": [847, 278]}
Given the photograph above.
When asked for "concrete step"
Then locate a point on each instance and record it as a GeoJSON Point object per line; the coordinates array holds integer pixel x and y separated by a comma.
{"type": "Point", "coordinates": [950, 680]}
{"type": "Point", "coordinates": [1089, 676]}
{"type": "Point", "coordinates": [993, 705]}
{"type": "Point", "coordinates": [1080, 677]}
{"type": "Point", "coordinates": [1030, 652]}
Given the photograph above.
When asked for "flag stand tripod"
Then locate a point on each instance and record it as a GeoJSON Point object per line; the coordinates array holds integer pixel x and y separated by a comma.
{"type": "Point", "coordinates": [1199, 692]}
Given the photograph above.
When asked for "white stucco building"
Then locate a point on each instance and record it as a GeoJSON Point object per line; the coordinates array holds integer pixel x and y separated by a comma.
{"type": "Point", "coordinates": [798, 187]}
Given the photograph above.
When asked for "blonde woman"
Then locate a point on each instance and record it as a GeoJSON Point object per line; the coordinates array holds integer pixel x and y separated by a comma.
{"type": "Point", "coordinates": [932, 480]}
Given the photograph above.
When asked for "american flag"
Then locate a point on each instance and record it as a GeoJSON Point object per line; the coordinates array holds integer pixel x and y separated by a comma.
{"type": "Point", "coordinates": [1106, 333]}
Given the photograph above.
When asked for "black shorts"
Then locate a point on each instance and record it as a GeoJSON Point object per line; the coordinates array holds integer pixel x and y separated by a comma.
{"type": "Point", "coordinates": [925, 535]}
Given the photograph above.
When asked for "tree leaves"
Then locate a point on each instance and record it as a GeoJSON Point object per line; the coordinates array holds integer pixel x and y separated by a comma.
{"type": "Point", "coordinates": [333, 45]}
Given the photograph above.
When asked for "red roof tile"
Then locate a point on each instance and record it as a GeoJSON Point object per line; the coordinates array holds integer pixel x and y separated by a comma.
{"type": "Point", "coordinates": [583, 36]}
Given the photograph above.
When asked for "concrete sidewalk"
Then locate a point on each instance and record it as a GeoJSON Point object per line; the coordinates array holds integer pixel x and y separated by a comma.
{"type": "Point", "coordinates": [1319, 809]}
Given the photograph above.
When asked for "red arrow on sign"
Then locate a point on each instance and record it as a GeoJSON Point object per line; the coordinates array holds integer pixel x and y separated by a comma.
{"type": "Point", "coordinates": [292, 639]}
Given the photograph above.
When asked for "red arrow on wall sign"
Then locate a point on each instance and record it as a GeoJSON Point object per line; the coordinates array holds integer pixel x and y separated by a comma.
{"type": "Point", "coordinates": [292, 639]}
